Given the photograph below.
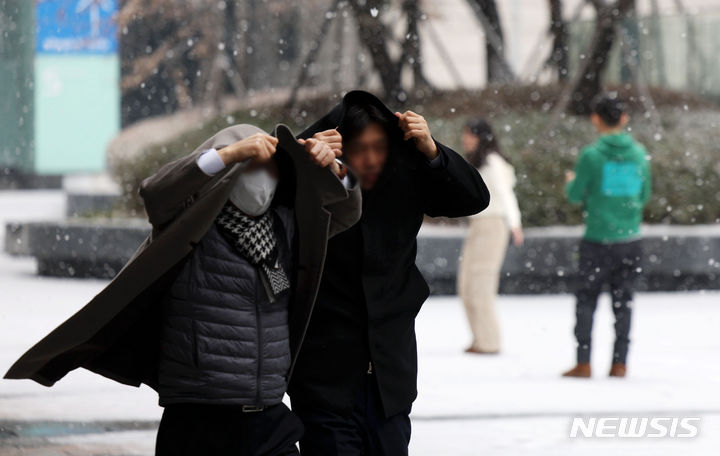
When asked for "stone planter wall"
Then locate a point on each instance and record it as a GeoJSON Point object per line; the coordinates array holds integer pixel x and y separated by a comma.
{"type": "Point", "coordinates": [676, 257]}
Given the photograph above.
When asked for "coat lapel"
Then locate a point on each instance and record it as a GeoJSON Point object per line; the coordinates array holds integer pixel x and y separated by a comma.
{"type": "Point", "coordinates": [315, 189]}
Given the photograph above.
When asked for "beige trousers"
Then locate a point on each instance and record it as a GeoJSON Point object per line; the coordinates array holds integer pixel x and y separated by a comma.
{"type": "Point", "coordinates": [479, 276]}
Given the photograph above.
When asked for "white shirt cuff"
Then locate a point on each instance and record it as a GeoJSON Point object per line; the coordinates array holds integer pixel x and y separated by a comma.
{"type": "Point", "coordinates": [210, 162]}
{"type": "Point", "coordinates": [346, 181]}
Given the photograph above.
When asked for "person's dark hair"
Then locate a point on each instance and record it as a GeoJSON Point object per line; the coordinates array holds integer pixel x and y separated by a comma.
{"type": "Point", "coordinates": [609, 109]}
{"type": "Point", "coordinates": [488, 142]}
{"type": "Point", "coordinates": [357, 117]}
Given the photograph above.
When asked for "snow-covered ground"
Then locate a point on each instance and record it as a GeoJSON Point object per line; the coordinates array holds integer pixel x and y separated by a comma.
{"type": "Point", "coordinates": [511, 404]}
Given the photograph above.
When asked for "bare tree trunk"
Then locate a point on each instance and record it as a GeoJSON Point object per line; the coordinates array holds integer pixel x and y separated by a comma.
{"type": "Point", "coordinates": [659, 54]}
{"type": "Point", "coordinates": [630, 46]}
{"type": "Point", "coordinates": [232, 70]}
{"type": "Point", "coordinates": [588, 84]}
{"type": "Point", "coordinates": [559, 31]}
{"type": "Point", "coordinates": [412, 47]}
{"type": "Point", "coordinates": [498, 70]}
{"type": "Point", "coordinates": [312, 54]}
{"type": "Point", "coordinates": [375, 35]}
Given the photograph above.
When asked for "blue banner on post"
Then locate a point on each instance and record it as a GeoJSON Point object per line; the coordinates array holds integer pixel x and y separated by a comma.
{"type": "Point", "coordinates": [75, 26]}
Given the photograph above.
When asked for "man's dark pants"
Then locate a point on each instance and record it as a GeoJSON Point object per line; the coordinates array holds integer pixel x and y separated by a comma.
{"type": "Point", "coordinates": [221, 430]}
{"type": "Point", "coordinates": [365, 431]}
{"type": "Point", "coordinates": [617, 265]}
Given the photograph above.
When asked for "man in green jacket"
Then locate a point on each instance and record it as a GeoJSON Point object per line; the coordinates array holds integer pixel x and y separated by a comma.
{"type": "Point", "coordinates": [612, 181]}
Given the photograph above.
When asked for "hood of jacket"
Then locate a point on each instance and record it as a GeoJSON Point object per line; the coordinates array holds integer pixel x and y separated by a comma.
{"type": "Point", "coordinates": [334, 118]}
{"type": "Point", "coordinates": [401, 153]}
{"type": "Point", "coordinates": [618, 146]}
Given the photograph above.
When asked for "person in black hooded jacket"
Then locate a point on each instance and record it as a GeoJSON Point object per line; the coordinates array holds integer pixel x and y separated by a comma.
{"type": "Point", "coordinates": [355, 378]}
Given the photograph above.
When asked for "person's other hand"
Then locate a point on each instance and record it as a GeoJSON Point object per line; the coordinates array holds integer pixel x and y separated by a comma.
{"type": "Point", "coordinates": [332, 138]}
{"type": "Point", "coordinates": [569, 176]}
{"type": "Point", "coordinates": [415, 127]}
{"type": "Point", "coordinates": [259, 147]}
{"type": "Point", "coordinates": [517, 236]}
{"type": "Point", "coordinates": [320, 152]}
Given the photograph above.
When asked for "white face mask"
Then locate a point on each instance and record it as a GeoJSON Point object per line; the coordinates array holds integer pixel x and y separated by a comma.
{"type": "Point", "coordinates": [253, 192]}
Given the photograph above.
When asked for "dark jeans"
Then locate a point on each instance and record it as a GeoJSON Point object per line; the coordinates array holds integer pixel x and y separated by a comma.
{"type": "Point", "coordinates": [616, 265]}
{"type": "Point", "coordinates": [364, 432]}
{"type": "Point", "coordinates": [194, 429]}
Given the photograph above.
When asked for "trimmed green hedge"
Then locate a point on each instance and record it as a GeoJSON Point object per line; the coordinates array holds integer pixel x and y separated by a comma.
{"type": "Point", "coordinates": [685, 151]}
{"type": "Point", "coordinates": [685, 161]}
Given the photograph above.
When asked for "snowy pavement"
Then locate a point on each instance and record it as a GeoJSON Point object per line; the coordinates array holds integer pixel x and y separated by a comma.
{"type": "Point", "coordinates": [510, 404]}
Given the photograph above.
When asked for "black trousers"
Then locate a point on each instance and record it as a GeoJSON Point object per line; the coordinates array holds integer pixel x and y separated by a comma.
{"type": "Point", "coordinates": [194, 429]}
{"type": "Point", "coordinates": [366, 431]}
{"type": "Point", "coordinates": [618, 266]}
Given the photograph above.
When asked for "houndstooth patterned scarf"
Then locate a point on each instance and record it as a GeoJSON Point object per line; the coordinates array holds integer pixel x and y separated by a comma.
{"type": "Point", "coordinates": [255, 240]}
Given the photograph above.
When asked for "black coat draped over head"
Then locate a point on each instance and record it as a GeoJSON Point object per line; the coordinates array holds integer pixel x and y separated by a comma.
{"type": "Point", "coordinates": [371, 289]}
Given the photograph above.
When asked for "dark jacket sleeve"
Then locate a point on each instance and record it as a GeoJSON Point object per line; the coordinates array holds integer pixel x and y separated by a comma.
{"type": "Point", "coordinates": [453, 189]}
{"type": "Point", "coordinates": [173, 188]}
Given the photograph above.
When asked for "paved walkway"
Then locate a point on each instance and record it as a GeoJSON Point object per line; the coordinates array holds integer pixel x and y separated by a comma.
{"type": "Point", "coordinates": [511, 404]}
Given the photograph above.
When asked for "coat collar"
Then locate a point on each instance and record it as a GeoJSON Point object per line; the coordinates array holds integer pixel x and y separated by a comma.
{"type": "Point", "coordinates": [330, 188]}
{"type": "Point", "coordinates": [403, 154]}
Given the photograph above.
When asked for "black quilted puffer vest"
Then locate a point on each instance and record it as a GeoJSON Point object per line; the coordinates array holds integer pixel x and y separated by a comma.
{"type": "Point", "coordinates": [223, 341]}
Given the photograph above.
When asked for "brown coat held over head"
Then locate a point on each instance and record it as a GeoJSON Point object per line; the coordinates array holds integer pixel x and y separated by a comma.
{"type": "Point", "coordinates": [116, 333]}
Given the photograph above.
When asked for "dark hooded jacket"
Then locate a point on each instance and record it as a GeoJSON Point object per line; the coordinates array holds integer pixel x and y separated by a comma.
{"type": "Point", "coordinates": [371, 289]}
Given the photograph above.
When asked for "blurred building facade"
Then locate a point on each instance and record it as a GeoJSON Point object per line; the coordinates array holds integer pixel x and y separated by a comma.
{"type": "Point", "coordinates": [59, 92]}
{"type": "Point", "coordinates": [64, 94]}
{"type": "Point", "coordinates": [683, 28]}
{"type": "Point", "coordinates": [16, 94]}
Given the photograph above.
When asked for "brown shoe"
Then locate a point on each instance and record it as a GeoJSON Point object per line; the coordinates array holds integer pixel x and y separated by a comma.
{"type": "Point", "coordinates": [582, 370]}
{"type": "Point", "coordinates": [618, 370]}
{"type": "Point", "coordinates": [477, 351]}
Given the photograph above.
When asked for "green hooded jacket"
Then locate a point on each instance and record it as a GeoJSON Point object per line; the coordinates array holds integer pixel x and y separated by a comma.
{"type": "Point", "coordinates": [613, 182]}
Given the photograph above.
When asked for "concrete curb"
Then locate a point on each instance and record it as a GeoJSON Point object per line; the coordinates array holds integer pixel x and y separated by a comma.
{"type": "Point", "coordinates": [676, 257]}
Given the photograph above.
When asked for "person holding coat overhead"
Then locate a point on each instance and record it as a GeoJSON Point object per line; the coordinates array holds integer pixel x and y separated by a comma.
{"type": "Point", "coordinates": [356, 376]}
{"type": "Point", "coordinates": [211, 310]}
{"type": "Point", "coordinates": [484, 250]}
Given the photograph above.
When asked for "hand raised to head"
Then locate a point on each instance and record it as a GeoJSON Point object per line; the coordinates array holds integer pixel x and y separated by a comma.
{"type": "Point", "coordinates": [415, 127]}
{"type": "Point", "coordinates": [259, 147]}
{"type": "Point", "coordinates": [332, 138]}
{"type": "Point", "coordinates": [320, 152]}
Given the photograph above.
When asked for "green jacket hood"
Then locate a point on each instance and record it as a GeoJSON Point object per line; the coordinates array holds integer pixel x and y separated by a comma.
{"type": "Point", "coordinates": [618, 146]}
